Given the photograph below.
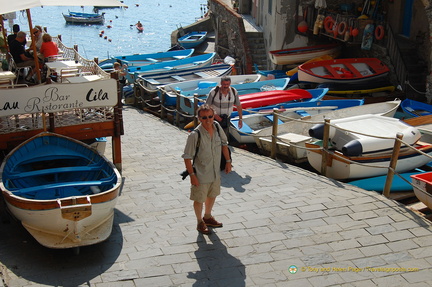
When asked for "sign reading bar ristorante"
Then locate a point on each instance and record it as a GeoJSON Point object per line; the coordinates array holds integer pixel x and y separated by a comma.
{"type": "Point", "coordinates": [58, 97]}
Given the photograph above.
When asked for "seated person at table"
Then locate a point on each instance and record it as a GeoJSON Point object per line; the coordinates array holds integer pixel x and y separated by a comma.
{"type": "Point", "coordinates": [48, 48]}
{"type": "Point", "coordinates": [38, 36]}
{"type": "Point", "coordinates": [11, 37]}
{"type": "Point", "coordinates": [20, 56]}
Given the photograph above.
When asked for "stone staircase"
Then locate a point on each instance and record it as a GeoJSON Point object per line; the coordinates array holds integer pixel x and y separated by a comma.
{"type": "Point", "coordinates": [257, 48]}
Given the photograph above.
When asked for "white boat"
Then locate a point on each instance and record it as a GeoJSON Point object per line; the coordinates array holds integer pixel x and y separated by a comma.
{"type": "Point", "coordinates": [373, 164]}
{"type": "Point", "coordinates": [62, 190]}
{"type": "Point", "coordinates": [171, 91]}
{"type": "Point", "coordinates": [302, 54]}
{"type": "Point", "coordinates": [359, 135]}
{"type": "Point", "coordinates": [292, 135]}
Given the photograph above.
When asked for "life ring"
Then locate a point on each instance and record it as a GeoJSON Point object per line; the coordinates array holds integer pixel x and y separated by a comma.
{"type": "Point", "coordinates": [342, 27]}
{"type": "Point", "coordinates": [328, 24]}
{"type": "Point", "coordinates": [379, 32]}
{"type": "Point", "coordinates": [343, 72]}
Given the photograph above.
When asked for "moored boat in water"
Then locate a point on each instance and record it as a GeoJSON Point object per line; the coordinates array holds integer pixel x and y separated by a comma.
{"type": "Point", "coordinates": [84, 18]}
{"type": "Point", "coordinates": [192, 39]}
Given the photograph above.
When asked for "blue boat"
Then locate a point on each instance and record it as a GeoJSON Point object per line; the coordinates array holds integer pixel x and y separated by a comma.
{"type": "Point", "coordinates": [146, 59]}
{"type": "Point", "coordinates": [192, 39]}
{"type": "Point", "coordinates": [204, 60]}
{"type": "Point", "coordinates": [84, 18]}
{"type": "Point", "coordinates": [400, 183]}
{"type": "Point", "coordinates": [275, 74]}
{"type": "Point", "coordinates": [152, 81]}
{"type": "Point", "coordinates": [63, 192]}
{"type": "Point", "coordinates": [415, 108]}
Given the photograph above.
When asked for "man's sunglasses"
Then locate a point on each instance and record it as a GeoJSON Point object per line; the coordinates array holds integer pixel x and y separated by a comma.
{"type": "Point", "coordinates": [207, 117]}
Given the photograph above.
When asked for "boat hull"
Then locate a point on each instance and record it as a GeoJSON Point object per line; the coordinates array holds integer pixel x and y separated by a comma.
{"type": "Point", "coordinates": [342, 167]}
{"type": "Point", "coordinates": [303, 54]}
{"type": "Point", "coordinates": [52, 229]}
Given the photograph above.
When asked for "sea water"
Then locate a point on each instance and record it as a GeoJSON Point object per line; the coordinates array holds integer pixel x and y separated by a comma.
{"type": "Point", "coordinates": [119, 34]}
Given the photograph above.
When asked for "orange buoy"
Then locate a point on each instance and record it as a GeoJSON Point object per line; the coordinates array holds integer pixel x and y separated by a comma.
{"type": "Point", "coordinates": [109, 26]}
{"type": "Point", "coordinates": [102, 31]}
{"type": "Point", "coordinates": [302, 27]}
{"type": "Point", "coordinates": [379, 32]}
{"type": "Point", "coordinates": [328, 24]}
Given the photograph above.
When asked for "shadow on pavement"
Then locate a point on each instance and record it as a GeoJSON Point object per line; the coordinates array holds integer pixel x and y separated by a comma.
{"type": "Point", "coordinates": [234, 180]}
{"type": "Point", "coordinates": [28, 260]}
{"type": "Point", "coordinates": [218, 267]}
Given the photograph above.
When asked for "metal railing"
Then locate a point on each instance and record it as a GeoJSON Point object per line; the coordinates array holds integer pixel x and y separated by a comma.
{"type": "Point", "coordinates": [395, 56]}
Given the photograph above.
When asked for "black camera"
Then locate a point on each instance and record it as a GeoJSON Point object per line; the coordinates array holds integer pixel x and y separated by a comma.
{"type": "Point", "coordinates": [224, 121]}
{"type": "Point", "coordinates": [185, 173]}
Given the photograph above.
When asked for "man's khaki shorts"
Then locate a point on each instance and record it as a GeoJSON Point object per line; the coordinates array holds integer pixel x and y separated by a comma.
{"type": "Point", "coordinates": [204, 190]}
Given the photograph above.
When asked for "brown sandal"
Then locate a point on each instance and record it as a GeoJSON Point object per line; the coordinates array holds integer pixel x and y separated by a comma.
{"type": "Point", "coordinates": [202, 227]}
{"type": "Point", "coordinates": [212, 222]}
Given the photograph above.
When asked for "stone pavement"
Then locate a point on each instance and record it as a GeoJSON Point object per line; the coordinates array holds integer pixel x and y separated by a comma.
{"type": "Point", "coordinates": [277, 218]}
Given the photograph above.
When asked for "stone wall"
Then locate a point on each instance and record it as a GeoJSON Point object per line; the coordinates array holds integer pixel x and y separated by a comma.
{"type": "Point", "coordinates": [230, 36]}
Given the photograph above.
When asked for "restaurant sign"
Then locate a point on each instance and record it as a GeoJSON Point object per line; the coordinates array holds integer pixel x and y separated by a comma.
{"type": "Point", "coordinates": [58, 97]}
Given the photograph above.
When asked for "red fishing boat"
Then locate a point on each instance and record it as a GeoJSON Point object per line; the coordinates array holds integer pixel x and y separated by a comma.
{"type": "Point", "coordinates": [353, 70]}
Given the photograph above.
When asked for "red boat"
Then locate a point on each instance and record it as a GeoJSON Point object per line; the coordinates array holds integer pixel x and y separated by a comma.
{"type": "Point", "coordinates": [269, 98]}
{"type": "Point", "coordinates": [354, 70]}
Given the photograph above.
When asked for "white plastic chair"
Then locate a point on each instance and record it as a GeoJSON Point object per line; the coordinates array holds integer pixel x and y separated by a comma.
{"type": "Point", "coordinates": [15, 69]}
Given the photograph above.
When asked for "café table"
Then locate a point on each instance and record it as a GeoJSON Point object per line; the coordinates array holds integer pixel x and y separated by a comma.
{"type": "Point", "coordinates": [83, 79]}
{"type": "Point", "coordinates": [57, 66]}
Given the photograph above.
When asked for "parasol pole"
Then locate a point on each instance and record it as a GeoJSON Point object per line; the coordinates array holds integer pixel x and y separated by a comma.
{"type": "Point", "coordinates": [33, 46]}
{"type": "Point", "coordinates": [4, 33]}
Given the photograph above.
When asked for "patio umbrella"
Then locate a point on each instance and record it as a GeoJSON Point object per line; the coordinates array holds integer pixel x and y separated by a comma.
{"type": "Point", "coordinates": [7, 6]}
